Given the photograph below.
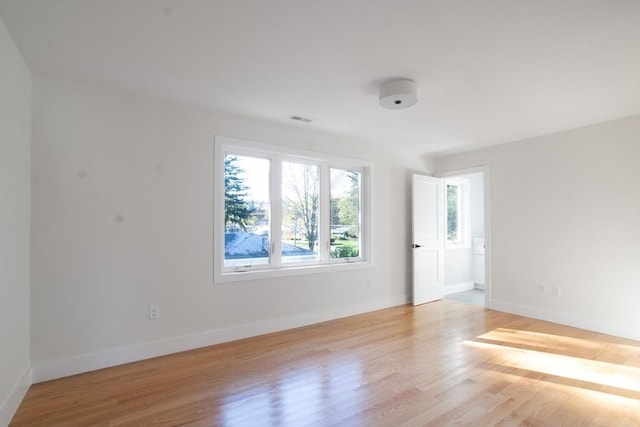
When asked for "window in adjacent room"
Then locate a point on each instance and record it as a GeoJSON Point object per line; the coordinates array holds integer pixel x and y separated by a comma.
{"type": "Point", "coordinates": [458, 212]}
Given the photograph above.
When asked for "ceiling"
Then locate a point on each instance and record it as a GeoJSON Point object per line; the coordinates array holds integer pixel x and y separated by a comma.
{"type": "Point", "coordinates": [488, 72]}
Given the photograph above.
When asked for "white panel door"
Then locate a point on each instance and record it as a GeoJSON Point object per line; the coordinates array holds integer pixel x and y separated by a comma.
{"type": "Point", "coordinates": [428, 239]}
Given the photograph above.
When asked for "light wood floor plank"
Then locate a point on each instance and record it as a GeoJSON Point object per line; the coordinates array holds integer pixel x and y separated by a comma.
{"type": "Point", "coordinates": [445, 363]}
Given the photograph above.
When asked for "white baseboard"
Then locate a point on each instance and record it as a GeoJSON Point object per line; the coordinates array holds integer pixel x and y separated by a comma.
{"type": "Point", "coordinates": [116, 356]}
{"type": "Point", "coordinates": [459, 287]}
{"type": "Point", "coordinates": [10, 406]}
{"type": "Point", "coordinates": [570, 319]}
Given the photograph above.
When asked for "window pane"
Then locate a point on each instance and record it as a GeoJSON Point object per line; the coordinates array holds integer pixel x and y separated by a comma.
{"type": "Point", "coordinates": [453, 197]}
{"type": "Point", "coordinates": [300, 212]}
{"type": "Point", "coordinates": [345, 213]}
{"type": "Point", "coordinates": [246, 211]}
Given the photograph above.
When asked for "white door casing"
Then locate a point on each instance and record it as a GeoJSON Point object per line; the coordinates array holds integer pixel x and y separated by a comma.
{"type": "Point", "coordinates": [428, 220]}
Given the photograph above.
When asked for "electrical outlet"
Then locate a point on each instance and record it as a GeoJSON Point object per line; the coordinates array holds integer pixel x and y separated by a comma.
{"type": "Point", "coordinates": [154, 311]}
{"type": "Point", "coordinates": [542, 289]}
{"type": "Point", "coordinates": [556, 290]}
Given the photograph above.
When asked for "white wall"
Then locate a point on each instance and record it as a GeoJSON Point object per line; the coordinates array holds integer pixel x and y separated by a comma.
{"type": "Point", "coordinates": [15, 216]}
{"type": "Point", "coordinates": [565, 211]}
{"type": "Point", "coordinates": [99, 154]}
{"type": "Point", "coordinates": [458, 273]}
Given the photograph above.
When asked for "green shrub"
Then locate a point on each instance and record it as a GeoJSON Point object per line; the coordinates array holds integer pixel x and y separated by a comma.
{"type": "Point", "coordinates": [345, 252]}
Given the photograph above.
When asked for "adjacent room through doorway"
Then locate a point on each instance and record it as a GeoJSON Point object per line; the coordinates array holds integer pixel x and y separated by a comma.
{"type": "Point", "coordinates": [464, 258]}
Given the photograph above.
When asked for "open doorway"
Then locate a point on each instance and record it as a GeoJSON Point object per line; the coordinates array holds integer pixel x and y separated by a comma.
{"type": "Point", "coordinates": [464, 255]}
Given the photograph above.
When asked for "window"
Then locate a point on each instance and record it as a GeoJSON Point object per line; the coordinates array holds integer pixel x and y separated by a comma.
{"type": "Point", "coordinates": [345, 213]}
{"type": "Point", "coordinates": [246, 211]}
{"type": "Point", "coordinates": [281, 211]}
{"type": "Point", "coordinates": [453, 213]}
{"type": "Point", "coordinates": [300, 212]}
{"type": "Point", "coordinates": [458, 218]}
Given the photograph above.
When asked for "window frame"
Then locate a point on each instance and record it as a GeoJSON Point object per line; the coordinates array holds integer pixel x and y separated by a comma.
{"type": "Point", "coordinates": [277, 154]}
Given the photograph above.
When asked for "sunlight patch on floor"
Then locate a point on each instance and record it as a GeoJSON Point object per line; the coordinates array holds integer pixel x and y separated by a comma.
{"type": "Point", "coordinates": [593, 371]}
{"type": "Point", "coordinates": [550, 341]}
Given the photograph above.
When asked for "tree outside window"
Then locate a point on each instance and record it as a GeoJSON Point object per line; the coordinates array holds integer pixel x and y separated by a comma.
{"type": "Point", "coordinates": [237, 210]}
{"type": "Point", "coordinates": [345, 213]}
{"type": "Point", "coordinates": [300, 206]}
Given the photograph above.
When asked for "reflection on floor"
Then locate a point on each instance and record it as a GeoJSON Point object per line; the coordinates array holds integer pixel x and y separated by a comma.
{"type": "Point", "coordinates": [473, 296]}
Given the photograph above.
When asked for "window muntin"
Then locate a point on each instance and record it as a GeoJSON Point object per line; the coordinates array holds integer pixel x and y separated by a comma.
{"type": "Point", "coordinates": [273, 219]}
{"type": "Point", "coordinates": [345, 196]}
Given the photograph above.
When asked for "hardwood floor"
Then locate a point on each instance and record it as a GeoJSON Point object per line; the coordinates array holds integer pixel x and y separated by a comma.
{"type": "Point", "coordinates": [444, 363]}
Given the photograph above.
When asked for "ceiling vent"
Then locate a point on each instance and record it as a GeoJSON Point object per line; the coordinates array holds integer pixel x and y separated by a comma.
{"type": "Point", "coordinates": [300, 119]}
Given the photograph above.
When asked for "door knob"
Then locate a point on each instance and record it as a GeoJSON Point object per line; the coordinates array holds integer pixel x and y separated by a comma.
{"type": "Point", "coordinates": [416, 246]}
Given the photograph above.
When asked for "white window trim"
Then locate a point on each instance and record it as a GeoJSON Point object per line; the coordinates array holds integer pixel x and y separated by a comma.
{"type": "Point", "coordinates": [464, 208]}
{"type": "Point", "coordinates": [224, 144]}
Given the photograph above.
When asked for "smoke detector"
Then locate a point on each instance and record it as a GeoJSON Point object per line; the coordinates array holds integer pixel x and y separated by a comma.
{"type": "Point", "coordinates": [398, 94]}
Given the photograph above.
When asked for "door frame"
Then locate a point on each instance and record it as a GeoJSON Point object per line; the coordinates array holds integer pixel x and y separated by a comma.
{"type": "Point", "coordinates": [486, 176]}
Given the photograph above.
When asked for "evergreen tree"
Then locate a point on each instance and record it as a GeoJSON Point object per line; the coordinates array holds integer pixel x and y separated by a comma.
{"type": "Point", "coordinates": [236, 206]}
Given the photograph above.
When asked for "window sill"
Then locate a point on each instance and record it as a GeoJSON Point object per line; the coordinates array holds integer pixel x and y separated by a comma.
{"type": "Point", "coordinates": [239, 276]}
